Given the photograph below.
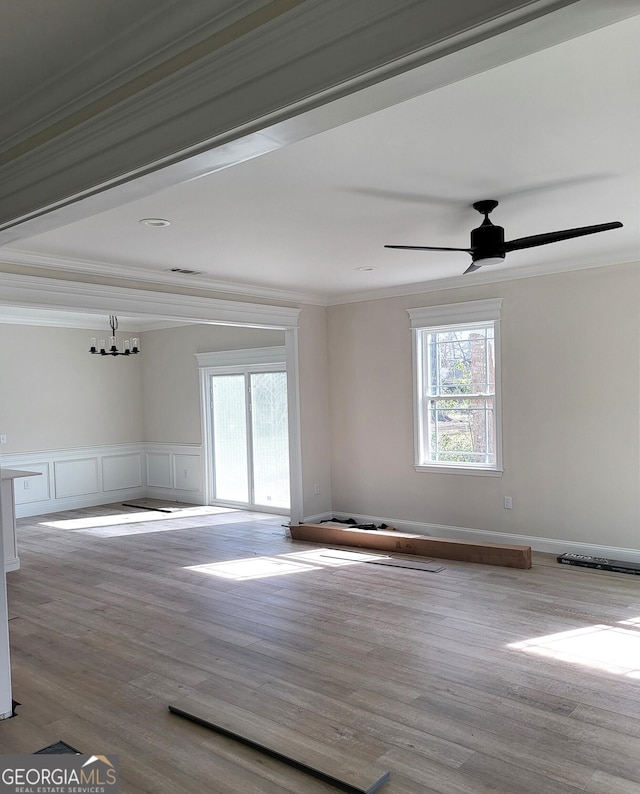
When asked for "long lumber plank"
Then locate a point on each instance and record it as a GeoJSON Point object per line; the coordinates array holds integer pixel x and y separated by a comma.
{"type": "Point", "coordinates": [507, 555]}
{"type": "Point", "coordinates": [285, 745]}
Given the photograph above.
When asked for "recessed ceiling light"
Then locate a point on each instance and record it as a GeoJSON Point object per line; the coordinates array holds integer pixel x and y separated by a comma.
{"type": "Point", "coordinates": [366, 268]}
{"type": "Point", "coordinates": [156, 223]}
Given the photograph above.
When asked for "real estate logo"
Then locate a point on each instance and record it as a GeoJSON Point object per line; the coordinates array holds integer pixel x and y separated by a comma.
{"type": "Point", "coordinates": [59, 774]}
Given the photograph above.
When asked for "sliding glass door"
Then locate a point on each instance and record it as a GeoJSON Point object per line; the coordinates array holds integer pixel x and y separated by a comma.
{"type": "Point", "coordinates": [250, 439]}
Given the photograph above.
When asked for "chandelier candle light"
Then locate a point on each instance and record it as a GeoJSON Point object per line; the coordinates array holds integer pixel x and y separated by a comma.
{"type": "Point", "coordinates": [130, 345]}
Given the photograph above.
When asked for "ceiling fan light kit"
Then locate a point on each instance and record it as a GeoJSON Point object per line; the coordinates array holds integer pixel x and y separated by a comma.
{"type": "Point", "coordinates": [488, 246]}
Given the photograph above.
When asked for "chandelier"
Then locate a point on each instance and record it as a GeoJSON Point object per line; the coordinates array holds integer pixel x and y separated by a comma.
{"type": "Point", "coordinates": [130, 345]}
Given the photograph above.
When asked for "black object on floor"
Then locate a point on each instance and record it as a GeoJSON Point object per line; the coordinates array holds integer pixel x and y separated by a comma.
{"type": "Point", "coordinates": [318, 774]}
{"type": "Point", "coordinates": [155, 506]}
{"type": "Point", "coordinates": [59, 748]}
{"type": "Point", "coordinates": [351, 522]}
{"type": "Point", "coordinates": [601, 563]}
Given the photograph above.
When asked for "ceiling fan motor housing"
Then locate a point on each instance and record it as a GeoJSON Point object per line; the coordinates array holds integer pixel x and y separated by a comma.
{"type": "Point", "coordinates": [487, 241]}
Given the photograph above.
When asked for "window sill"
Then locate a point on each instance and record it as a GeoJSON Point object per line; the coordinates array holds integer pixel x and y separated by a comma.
{"type": "Point", "coordinates": [442, 469]}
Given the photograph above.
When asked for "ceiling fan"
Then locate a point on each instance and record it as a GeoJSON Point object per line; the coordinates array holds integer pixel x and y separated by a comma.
{"type": "Point", "coordinates": [488, 246]}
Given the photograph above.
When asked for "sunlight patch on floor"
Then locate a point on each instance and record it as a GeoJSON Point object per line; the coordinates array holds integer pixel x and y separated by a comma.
{"type": "Point", "coordinates": [296, 562]}
{"type": "Point", "coordinates": [601, 647]}
{"type": "Point", "coordinates": [121, 523]}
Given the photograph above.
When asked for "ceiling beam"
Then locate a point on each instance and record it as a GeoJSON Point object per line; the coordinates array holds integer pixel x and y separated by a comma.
{"type": "Point", "coordinates": [243, 92]}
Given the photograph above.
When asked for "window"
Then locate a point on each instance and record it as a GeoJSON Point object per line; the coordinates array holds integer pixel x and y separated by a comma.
{"type": "Point", "coordinates": [457, 395]}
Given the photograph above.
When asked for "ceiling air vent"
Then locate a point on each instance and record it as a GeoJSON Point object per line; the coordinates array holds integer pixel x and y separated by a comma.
{"type": "Point", "coordinates": [184, 271]}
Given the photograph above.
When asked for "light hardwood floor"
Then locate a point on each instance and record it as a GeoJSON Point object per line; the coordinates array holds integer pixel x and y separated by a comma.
{"type": "Point", "coordinates": [407, 669]}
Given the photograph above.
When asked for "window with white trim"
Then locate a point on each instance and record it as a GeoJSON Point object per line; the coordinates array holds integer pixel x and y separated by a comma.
{"type": "Point", "coordinates": [457, 386]}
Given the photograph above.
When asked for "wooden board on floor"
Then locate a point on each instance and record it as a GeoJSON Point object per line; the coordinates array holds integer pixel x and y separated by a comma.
{"type": "Point", "coordinates": [507, 555]}
{"type": "Point", "coordinates": [286, 745]}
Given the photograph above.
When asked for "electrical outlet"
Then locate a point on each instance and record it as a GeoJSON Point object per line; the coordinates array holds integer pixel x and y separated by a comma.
{"type": "Point", "coordinates": [26, 485]}
{"type": "Point", "coordinates": [3, 438]}
{"type": "Point", "coordinates": [508, 503]}
{"type": "Point", "coordinates": [316, 488]}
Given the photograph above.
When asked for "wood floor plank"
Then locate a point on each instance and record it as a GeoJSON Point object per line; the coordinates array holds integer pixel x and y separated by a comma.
{"type": "Point", "coordinates": [532, 758]}
{"type": "Point", "coordinates": [277, 739]}
{"type": "Point", "coordinates": [414, 672]}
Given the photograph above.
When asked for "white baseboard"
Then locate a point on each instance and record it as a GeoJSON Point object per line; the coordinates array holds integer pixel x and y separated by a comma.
{"type": "Point", "coordinates": [549, 545]}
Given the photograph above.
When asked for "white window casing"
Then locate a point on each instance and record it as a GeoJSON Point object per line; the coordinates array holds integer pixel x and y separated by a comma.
{"type": "Point", "coordinates": [433, 329]}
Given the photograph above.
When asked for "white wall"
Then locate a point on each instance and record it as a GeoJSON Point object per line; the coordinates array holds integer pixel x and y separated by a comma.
{"type": "Point", "coordinates": [171, 392]}
{"type": "Point", "coordinates": [570, 380]}
{"type": "Point", "coordinates": [314, 411]}
{"type": "Point", "coordinates": [55, 395]}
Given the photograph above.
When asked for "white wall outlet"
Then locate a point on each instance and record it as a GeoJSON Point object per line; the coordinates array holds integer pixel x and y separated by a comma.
{"type": "Point", "coordinates": [3, 438]}
{"type": "Point", "coordinates": [316, 488]}
{"type": "Point", "coordinates": [26, 485]}
{"type": "Point", "coordinates": [508, 503]}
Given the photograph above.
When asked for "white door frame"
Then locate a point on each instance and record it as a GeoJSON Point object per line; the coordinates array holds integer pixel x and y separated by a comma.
{"type": "Point", "coordinates": [238, 361]}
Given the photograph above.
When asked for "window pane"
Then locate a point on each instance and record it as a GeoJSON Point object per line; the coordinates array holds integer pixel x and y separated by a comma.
{"type": "Point", "coordinates": [230, 438]}
{"type": "Point", "coordinates": [462, 431]}
{"type": "Point", "coordinates": [458, 395]}
{"type": "Point", "coordinates": [270, 439]}
{"type": "Point", "coordinates": [461, 362]}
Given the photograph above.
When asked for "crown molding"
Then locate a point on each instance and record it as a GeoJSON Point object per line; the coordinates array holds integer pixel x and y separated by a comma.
{"type": "Point", "coordinates": [435, 285]}
{"type": "Point", "coordinates": [131, 273]}
{"type": "Point", "coordinates": [48, 293]}
{"type": "Point", "coordinates": [471, 280]}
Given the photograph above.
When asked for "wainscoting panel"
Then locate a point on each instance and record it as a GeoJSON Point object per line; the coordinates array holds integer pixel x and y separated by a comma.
{"type": "Point", "coordinates": [34, 489]}
{"type": "Point", "coordinates": [121, 471]}
{"type": "Point", "coordinates": [76, 477]}
{"type": "Point", "coordinates": [187, 472]}
{"type": "Point", "coordinates": [82, 477]}
{"type": "Point", "coordinates": [175, 472]}
{"type": "Point", "coordinates": [159, 470]}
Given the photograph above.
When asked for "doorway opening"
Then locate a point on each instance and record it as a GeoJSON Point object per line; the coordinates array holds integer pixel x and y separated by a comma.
{"type": "Point", "coordinates": [250, 440]}
{"type": "Point", "coordinates": [246, 429]}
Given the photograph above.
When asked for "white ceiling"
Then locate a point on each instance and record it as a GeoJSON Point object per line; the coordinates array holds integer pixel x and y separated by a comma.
{"type": "Point", "coordinates": [553, 136]}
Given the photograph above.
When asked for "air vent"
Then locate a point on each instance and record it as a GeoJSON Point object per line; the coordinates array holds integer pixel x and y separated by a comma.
{"type": "Point", "coordinates": [184, 271]}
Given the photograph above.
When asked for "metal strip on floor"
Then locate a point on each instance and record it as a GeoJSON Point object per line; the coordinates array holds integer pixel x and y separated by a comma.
{"type": "Point", "coordinates": [202, 715]}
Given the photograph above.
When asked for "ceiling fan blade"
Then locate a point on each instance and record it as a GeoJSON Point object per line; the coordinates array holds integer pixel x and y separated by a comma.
{"type": "Point", "coordinates": [555, 237]}
{"type": "Point", "coordinates": [408, 196]}
{"type": "Point", "coordinates": [471, 268]}
{"type": "Point", "coordinates": [428, 248]}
